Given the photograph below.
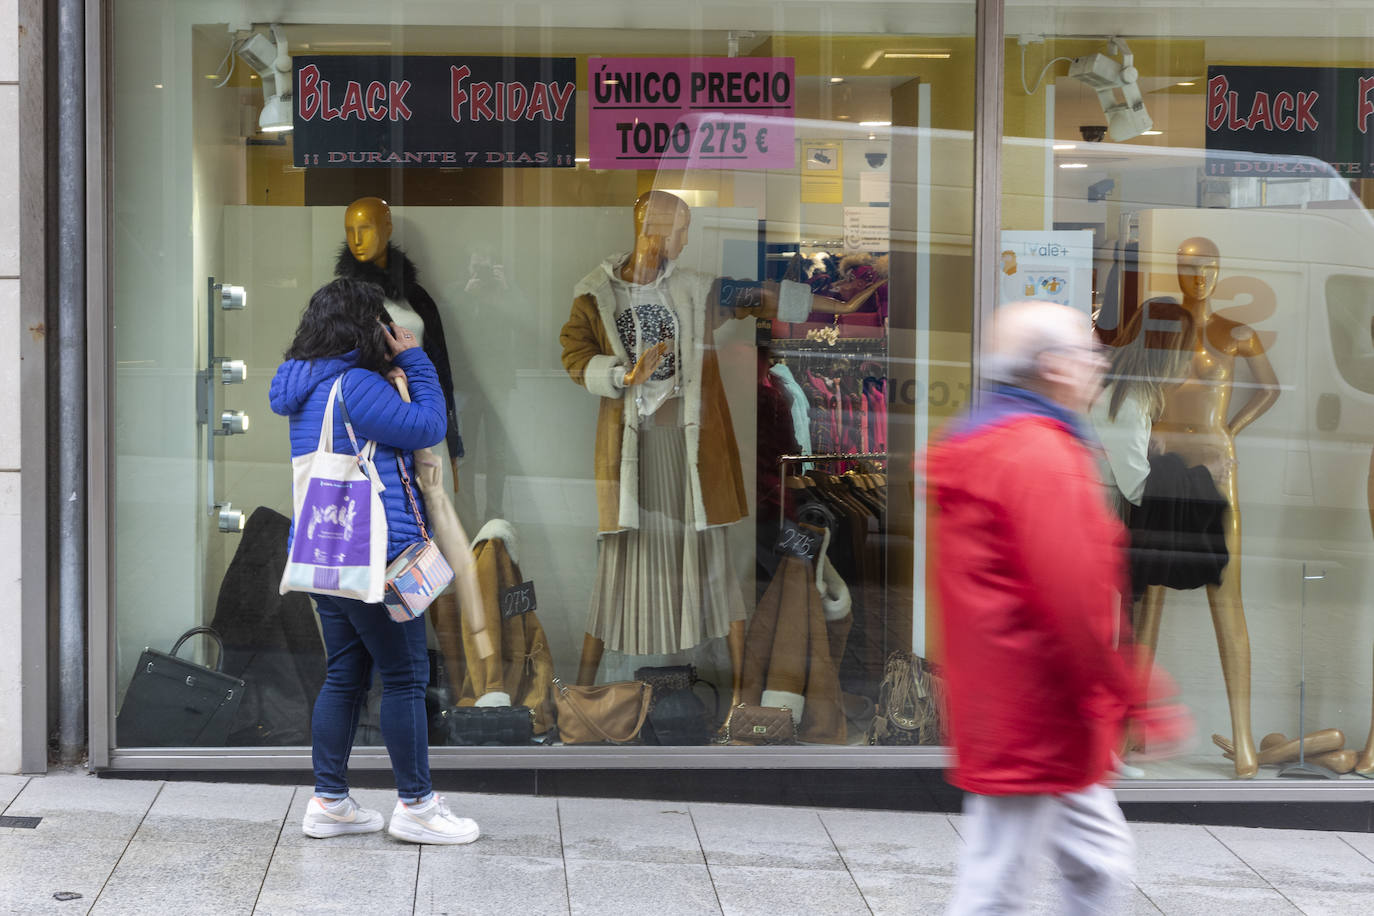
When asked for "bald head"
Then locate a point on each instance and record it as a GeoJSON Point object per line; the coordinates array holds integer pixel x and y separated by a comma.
{"type": "Point", "coordinates": [1045, 347]}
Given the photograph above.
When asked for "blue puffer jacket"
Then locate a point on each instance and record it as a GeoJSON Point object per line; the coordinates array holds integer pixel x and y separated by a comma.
{"type": "Point", "coordinates": [301, 388]}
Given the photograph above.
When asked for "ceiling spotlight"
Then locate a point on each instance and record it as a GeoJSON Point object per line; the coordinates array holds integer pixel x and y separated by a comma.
{"type": "Point", "coordinates": [1186, 83]}
{"type": "Point", "coordinates": [1126, 114]}
{"type": "Point", "coordinates": [1073, 165]}
{"type": "Point", "coordinates": [837, 79]}
{"type": "Point", "coordinates": [875, 123]}
{"type": "Point", "coordinates": [1152, 133]}
{"type": "Point", "coordinates": [272, 62]}
{"type": "Point", "coordinates": [231, 520]}
{"type": "Point", "coordinates": [232, 423]}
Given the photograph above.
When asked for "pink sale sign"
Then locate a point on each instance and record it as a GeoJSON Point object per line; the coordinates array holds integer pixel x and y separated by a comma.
{"type": "Point", "coordinates": [691, 112]}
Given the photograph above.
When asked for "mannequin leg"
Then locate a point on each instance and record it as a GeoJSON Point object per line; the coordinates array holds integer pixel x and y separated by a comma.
{"type": "Point", "coordinates": [591, 660]}
{"type": "Point", "coordinates": [1148, 612]}
{"type": "Point", "coordinates": [1233, 643]}
{"type": "Point", "coordinates": [1364, 764]}
{"type": "Point", "coordinates": [735, 640]}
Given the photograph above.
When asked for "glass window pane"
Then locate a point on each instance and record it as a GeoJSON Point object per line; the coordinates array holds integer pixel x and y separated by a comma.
{"type": "Point", "coordinates": [478, 166]}
{"type": "Point", "coordinates": [1206, 172]}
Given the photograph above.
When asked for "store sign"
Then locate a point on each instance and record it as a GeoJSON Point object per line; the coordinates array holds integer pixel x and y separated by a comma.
{"type": "Point", "coordinates": [1046, 266]}
{"type": "Point", "coordinates": [703, 112]}
{"type": "Point", "coordinates": [1326, 113]}
{"type": "Point", "coordinates": [434, 111]}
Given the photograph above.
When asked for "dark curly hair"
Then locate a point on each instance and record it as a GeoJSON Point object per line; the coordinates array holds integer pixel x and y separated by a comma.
{"type": "Point", "coordinates": [343, 316]}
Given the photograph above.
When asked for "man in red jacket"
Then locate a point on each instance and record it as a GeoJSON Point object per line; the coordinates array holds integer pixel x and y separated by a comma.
{"type": "Point", "coordinates": [1030, 574]}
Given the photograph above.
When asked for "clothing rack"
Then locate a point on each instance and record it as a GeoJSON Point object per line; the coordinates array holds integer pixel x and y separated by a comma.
{"type": "Point", "coordinates": [841, 344]}
{"type": "Point", "coordinates": [785, 460]}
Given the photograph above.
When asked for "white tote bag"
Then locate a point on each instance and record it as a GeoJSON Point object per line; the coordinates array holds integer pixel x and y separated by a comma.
{"type": "Point", "coordinates": [338, 543]}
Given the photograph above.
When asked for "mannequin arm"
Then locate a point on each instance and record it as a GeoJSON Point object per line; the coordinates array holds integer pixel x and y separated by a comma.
{"type": "Point", "coordinates": [788, 300]}
{"type": "Point", "coordinates": [1266, 390]}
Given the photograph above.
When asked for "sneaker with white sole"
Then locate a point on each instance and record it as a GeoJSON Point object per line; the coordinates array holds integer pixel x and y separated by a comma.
{"type": "Point", "coordinates": [343, 816]}
{"type": "Point", "coordinates": [431, 822]}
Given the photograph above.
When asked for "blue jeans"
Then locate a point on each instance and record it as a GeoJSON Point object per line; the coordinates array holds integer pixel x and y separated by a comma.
{"type": "Point", "coordinates": [356, 637]}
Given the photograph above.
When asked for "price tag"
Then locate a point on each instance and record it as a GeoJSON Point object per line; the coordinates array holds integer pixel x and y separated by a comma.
{"type": "Point", "coordinates": [795, 541]}
{"type": "Point", "coordinates": [517, 600]}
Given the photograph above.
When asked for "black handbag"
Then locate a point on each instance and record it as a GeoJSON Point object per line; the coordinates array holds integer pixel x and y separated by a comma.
{"type": "Point", "coordinates": [477, 726]}
{"type": "Point", "coordinates": [677, 716]}
{"type": "Point", "coordinates": [173, 702]}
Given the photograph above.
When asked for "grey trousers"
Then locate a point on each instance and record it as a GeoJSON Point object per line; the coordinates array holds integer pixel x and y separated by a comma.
{"type": "Point", "coordinates": [1084, 833]}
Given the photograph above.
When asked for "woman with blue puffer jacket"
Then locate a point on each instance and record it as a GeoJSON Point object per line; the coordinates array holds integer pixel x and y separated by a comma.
{"type": "Point", "coordinates": [344, 332]}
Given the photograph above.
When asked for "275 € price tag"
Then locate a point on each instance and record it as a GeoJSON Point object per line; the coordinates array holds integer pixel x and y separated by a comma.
{"type": "Point", "coordinates": [517, 600]}
{"type": "Point", "coordinates": [796, 541]}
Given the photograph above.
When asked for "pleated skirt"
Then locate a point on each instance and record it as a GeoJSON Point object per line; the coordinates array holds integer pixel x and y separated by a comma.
{"type": "Point", "coordinates": [665, 587]}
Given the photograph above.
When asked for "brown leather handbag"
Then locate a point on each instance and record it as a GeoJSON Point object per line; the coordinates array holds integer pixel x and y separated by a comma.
{"type": "Point", "coordinates": [606, 712]}
{"type": "Point", "coordinates": [760, 725]}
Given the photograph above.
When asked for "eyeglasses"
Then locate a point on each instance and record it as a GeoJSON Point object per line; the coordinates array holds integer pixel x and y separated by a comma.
{"type": "Point", "coordinates": [1093, 351]}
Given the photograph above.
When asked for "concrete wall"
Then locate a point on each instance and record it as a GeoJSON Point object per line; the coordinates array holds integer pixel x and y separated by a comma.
{"type": "Point", "coordinates": [10, 331]}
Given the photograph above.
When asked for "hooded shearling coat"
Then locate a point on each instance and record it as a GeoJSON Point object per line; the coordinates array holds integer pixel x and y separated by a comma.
{"type": "Point", "coordinates": [597, 360]}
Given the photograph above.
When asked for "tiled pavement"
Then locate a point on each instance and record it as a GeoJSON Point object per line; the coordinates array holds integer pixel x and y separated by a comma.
{"type": "Point", "coordinates": [150, 847]}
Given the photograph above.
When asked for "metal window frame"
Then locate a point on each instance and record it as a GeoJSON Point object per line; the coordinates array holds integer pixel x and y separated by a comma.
{"type": "Point", "coordinates": [986, 229]}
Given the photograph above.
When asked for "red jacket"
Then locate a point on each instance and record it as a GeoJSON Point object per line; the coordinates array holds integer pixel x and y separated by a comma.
{"type": "Point", "coordinates": [1030, 569]}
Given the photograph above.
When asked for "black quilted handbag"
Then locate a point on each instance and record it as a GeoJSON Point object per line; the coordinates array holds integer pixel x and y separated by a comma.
{"type": "Point", "coordinates": [479, 726]}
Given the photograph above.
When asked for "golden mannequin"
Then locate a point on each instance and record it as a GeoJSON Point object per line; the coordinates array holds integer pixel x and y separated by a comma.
{"type": "Point", "coordinates": [1198, 425]}
{"type": "Point", "coordinates": [367, 230]}
{"type": "Point", "coordinates": [661, 225]}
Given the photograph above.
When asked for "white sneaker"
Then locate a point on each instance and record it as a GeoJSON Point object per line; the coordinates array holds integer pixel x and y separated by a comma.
{"type": "Point", "coordinates": [431, 822]}
{"type": "Point", "coordinates": [344, 816]}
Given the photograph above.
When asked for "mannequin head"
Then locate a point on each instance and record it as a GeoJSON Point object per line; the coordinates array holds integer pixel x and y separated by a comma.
{"type": "Point", "coordinates": [661, 223]}
{"type": "Point", "coordinates": [1199, 262]}
{"type": "Point", "coordinates": [367, 227]}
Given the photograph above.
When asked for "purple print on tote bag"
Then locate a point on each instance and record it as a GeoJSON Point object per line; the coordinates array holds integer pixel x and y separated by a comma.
{"type": "Point", "coordinates": [335, 524]}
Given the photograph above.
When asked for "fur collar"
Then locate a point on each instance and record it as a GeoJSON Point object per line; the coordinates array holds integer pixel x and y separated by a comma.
{"type": "Point", "coordinates": [398, 279]}
{"type": "Point", "coordinates": [498, 529]}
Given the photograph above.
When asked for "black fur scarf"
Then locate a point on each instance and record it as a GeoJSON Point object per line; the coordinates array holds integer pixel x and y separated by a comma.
{"type": "Point", "coordinates": [400, 281]}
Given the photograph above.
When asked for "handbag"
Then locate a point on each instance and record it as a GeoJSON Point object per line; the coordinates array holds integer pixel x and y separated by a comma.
{"type": "Point", "coordinates": [476, 726]}
{"type": "Point", "coordinates": [339, 541]}
{"type": "Point", "coordinates": [174, 702]}
{"type": "Point", "coordinates": [760, 725]}
{"type": "Point", "coordinates": [678, 718]}
{"type": "Point", "coordinates": [908, 712]}
{"type": "Point", "coordinates": [664, 679]}
{"type": "Point", "coordinates": [606, 712]}
{"type": "Point", "coordinates": [677, 715]}
{"type": "Point", "coordinates": [420, 573]}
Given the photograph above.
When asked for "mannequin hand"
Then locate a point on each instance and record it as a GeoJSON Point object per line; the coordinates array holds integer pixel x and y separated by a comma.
{"type": "Point", "coordinates": [648, 362]}
{"type": "Point", "coordinates": [398, 339]}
